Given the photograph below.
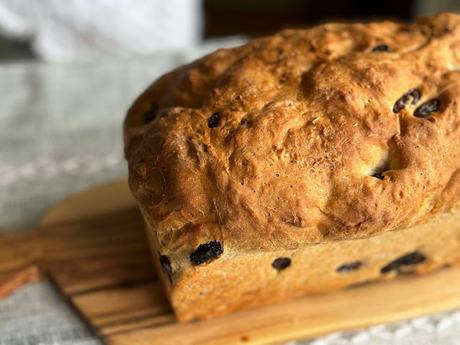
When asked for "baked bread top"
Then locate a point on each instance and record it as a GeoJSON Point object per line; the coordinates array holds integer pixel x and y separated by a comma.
{"type": "Point", "coordinates": [336, 132]}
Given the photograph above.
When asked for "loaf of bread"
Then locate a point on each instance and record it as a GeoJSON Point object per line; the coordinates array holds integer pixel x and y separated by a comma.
{"type": "Point", "coordinates": [303, 162]}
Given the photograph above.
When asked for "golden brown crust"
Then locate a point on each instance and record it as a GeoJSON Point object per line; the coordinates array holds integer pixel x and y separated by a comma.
{"type": "Point", "coordinates": [305, 119]}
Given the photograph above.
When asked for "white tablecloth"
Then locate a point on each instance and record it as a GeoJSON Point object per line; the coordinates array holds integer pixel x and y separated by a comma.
{"type": "Point", "coordinates": [60, 132]}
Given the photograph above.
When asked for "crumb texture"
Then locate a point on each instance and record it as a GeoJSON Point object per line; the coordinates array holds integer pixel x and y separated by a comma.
{"type": "Point", "coordinates": [341, 131]}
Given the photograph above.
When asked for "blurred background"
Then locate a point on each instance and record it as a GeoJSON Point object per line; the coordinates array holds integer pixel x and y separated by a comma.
{"type": "Point", "coordinates": [80, 29]}
{"type": "Point", "coordinates": [69, 70]}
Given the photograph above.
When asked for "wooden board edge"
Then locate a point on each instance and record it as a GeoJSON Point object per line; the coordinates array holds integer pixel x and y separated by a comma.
{"type": "Point", "coordinates": [116, 191]}
{"type": "Point", "coordinates": [17, 279]}
{"type": "Point", "coordinates": [313, 316]}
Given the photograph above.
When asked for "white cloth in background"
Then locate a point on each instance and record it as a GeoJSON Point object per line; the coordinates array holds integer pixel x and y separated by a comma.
{"type": "Point", "coordinates": [63, 30]}
{"type": "Point", "coordinates": [60, 132]}
{"type": "Point", "coordinates": [35, 315]}
{"type": "Point", "coordinates": [429, 7]}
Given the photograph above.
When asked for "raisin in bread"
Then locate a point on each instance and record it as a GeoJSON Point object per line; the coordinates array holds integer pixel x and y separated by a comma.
{"type": "Point", "coordinates": [304, 162]}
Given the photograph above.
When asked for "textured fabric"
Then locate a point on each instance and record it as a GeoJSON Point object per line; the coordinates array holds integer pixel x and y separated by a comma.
{"type": "Point", "coordinates": [88, 29]}
{"type": "Point", "coordinates": [441, 329]}
{"type": "Point", "coordinates": [60, 132]}
{"type": "Point", "coordinates": [35, 314]}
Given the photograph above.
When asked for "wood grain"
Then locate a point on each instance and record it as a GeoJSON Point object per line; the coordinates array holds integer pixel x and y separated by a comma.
{"type": "Point", "coordinates": [9, 282]}
{"type": "Point", "coordinates": [102, 253]}
{"type": "Point", "coordinates": [101, 200]}
{"type": "Point", "coordinates": [93, 247]}
{"type": "Point", "coordinates": [312, 316]}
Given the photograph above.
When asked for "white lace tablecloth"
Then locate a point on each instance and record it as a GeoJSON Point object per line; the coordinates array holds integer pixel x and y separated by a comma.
{"type": "Point", "coordinates": [60, 132]}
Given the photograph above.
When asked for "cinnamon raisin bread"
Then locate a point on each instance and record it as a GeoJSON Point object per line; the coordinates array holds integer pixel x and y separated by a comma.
{"type": "Point", "coordinates": [304, 162]}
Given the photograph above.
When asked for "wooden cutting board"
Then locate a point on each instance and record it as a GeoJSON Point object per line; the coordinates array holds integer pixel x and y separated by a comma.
{"type": "Point", "coordinates": [92, 247]}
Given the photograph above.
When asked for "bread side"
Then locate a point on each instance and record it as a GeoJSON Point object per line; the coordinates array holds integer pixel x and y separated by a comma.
{"type": "Point", "coordinates": [236, 281]}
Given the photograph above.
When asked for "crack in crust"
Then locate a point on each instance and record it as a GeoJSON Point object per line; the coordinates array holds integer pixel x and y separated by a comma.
{"type": "Point", "coordinates": [305, 117]}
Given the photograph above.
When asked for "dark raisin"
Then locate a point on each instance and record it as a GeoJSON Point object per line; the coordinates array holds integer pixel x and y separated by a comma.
{"type": "Point", "coordinates": [381, 48]}
{"type": "Point", "coordinates": [379, 175]}
{"type": "Point", "coordinates": [166, 266]}
{"type": "Point", "coordinates": [350, 266]}
{"type": "Point", "coordinates": [411, 96]}
{"type": "Point", "coordinates": [213, 121]}
{"type": "Point", "coordinates": [205, 252]}
{"type": "Point", "coordinates": [150, 114]}
{"type": "Point", "coordinates": [406, 260]}
{"type": "Point", "coordinates": [427, 108]}
{"type": "Point", "coordinates": [281, 263]}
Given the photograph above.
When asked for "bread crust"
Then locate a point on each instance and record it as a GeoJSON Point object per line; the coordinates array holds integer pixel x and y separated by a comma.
{"type": "Point", "coordinates": [305, 118]}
